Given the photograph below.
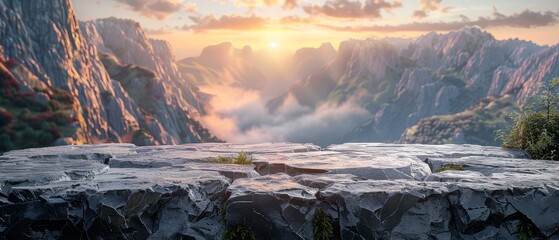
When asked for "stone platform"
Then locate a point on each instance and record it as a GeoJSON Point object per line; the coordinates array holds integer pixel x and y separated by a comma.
{"type": "Point", "coordinates": [369, 191]}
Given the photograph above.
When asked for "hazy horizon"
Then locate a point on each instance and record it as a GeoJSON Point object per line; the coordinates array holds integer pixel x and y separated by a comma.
{"type": "Point", "coordinates": [292, 24]}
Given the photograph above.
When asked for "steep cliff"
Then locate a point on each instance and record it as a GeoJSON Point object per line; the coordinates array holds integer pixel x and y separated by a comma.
{"type": "Point", "coordinates": [53, 48]}
{"type": "Point", "coordinates": [126, 40]}
{"type": "Point", "coordinates": [32, 114]}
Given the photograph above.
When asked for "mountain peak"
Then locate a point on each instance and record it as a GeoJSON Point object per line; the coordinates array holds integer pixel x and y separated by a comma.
{"type": "Point", "coordinates": [326, 46]}
{"type": "Point", "coordinates": [218, 51]}
{"type": "Point", "coordinates": [473, 31]}
{"type": "Point", "coordinates": [115, 20]}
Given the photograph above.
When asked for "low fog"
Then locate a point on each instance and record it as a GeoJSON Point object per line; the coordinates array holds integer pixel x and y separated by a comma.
{"type": "Point", "coordinates": [240, 116]}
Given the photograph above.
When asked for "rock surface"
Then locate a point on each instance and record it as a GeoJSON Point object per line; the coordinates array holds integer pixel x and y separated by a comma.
{"type": "Point", "coordinates": [369, 191]}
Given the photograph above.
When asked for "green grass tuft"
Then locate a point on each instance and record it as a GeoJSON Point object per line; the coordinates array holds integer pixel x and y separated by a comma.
{"type": "Point", "coordinates": [242, 159]}
{"type": "Point", "coordinates": [452, 167]}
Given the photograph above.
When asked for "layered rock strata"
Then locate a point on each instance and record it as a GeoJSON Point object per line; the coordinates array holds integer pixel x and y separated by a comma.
{"type": "Point", "coordinates": [369, 191]}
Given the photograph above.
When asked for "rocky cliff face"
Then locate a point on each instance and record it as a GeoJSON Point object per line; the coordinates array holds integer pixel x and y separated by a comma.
{"type": "Point", "coordinates": [33, 114]}
{"type": "Point", "coordinates": [54, 49]}
{"type": "Point", "coordinates": [436, 74]}
{"type": "Point", "coordinates": [173, 102]}
{"type": "Point", "coordinates": [126, 40]}
{"type": "Point", "coordinates": [368, 191]}
{"type": "Point", "coordinates": [310, 60]}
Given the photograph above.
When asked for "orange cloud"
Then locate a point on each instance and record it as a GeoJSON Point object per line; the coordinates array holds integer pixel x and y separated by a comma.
{"type": "Point", "coordinates": [230, 22]}
{"type": "Point", "coordinates": [157, 9]}
{"type": "Point", "coordinates": [351, 9]}
{"type": "Point", "coordinates": [295, 20]}
{"type": "Point", "coordinates": [524, 19]}
{"type": "Point", "coordinates": [286, 4]}
{"type": "Point", "coordinates": [426, 6]}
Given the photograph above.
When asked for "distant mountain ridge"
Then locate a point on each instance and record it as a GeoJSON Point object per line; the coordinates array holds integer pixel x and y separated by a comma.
{"type": "Point", "coordinates": [223, 64]}
{"type": "Point", "coordinates": [437, 74]}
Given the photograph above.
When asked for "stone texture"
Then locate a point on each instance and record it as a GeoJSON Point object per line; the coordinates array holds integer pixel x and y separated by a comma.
{"type": "Point", "coordinates": [368, 190]}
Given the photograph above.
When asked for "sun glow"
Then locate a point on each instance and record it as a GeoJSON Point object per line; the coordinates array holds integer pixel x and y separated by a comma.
{"type": "Point", "coordinates": [274, 45]}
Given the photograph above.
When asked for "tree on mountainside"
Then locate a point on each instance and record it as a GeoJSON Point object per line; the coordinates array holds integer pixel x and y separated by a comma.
{"type": "Point", "coordinates": [536, 130]}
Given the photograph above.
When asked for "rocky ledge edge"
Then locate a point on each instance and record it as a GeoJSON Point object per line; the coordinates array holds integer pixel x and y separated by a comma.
{"type": "Point", "coordinates": [368, 191]}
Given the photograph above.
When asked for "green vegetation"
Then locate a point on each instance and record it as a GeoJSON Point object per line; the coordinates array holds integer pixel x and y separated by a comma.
{"type": "Point", "coordinates": [476, 125]}
{"type": "Point", "coordinates": [322, 226]}
{"type": "Point", "coordinates": [524, 229]}
{"type": "Point", "coordinates": [451, 167]}
{"type": "Point", "coordinates": [240, 232]}
{"type": "Point", "coordinates": [26, 122]}
{"type": "Point", "coordinates": [537, 129]}
{"type": "Point", "coordinates": [242, 159]}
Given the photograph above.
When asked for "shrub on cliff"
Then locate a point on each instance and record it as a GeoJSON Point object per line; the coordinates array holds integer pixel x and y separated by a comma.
{"type": "Point", "coordinates": [25, 122]}
{"type": "Point", "coordinates": [537, 129]}
{"type": "Point", "coordinates": [6, 117]}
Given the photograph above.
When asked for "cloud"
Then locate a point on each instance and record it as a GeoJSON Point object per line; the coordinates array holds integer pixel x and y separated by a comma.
{"type": "Point", "coordinates": [230, 22]}
{"type": "Point", "coordinates": [427, 6]}
{"type": "Point", "coordinates": [295, 20]}
{"type": "Point", "coordinates": [286, 4]}
{"type": "Point", "coordinates": [351, 8]}
{"type": "Point", "coordinates": [159, 31]}
{"type": "Point", "coordinates": [157, 9]}
{"type": "Point", "coordinates": [242, 118]}
{"type": "Point", "coordinates": [524, 19]}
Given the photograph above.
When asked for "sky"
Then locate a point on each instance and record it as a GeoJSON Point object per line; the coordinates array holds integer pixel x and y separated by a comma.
{"type": "Point", "coordinates": [288, 25]}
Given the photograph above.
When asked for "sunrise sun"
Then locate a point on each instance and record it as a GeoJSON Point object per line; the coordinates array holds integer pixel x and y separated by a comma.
{"type": "Point", "coordinates": [274, 45]}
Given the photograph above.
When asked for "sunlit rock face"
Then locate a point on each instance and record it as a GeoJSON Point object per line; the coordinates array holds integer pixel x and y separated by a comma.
{"type": "Point", "coordinates": [53, 49]}
{"type": "Point", "coordinates": [369, 191]}
{"type": "Point", "coordinates": [126, 40]}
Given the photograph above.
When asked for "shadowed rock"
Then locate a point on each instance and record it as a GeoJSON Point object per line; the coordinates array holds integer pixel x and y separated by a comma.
{"type": "Point", "coordinates": [369, 191]}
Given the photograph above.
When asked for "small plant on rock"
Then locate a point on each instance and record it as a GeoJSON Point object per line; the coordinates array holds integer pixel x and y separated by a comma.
{"type": "Point", "coordinates": [322, 226]}
{"type": "Point", "coordinates": [524, 229]}
{"type": "Point", "coordinates": [240, 232]}
{"type": "Point", "coordinates": [242, 159]}
{"type": "Point", "coordinates": [452, 167]}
